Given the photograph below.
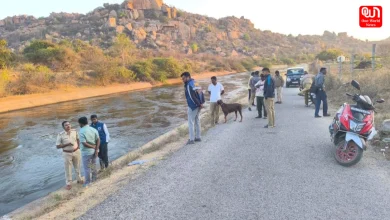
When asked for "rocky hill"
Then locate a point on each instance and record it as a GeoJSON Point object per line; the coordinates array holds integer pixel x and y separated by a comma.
{"type": "Point", "coordinates": [153, 24]}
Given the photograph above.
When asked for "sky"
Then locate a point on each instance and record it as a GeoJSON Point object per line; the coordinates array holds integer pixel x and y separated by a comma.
{"type": "Point", "coordinates": [281, 16]}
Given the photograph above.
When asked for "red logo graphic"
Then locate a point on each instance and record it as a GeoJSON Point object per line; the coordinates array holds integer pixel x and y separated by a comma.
{"type": "Point", "coordinates": [370, 16]}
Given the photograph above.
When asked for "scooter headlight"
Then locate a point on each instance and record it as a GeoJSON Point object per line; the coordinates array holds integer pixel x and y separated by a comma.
{"type": "Point", "coordinates": [288, 79]}
{"type": "Point", "coordinates": [356, 127]}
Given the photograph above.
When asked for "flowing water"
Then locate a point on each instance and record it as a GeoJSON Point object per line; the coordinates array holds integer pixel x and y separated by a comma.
{"type": "Point", "coordinates": [31, 166]}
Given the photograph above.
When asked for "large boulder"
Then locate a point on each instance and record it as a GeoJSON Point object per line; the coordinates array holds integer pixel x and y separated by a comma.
{"type": "Point", "coordinates": [143, 4]}
{"type": "Point", "coordinates": [113, 14]}
{"type": "Point", "coordinates": [139, 34]}
{"type": "Point", "coordinates": [111, 22]}
{"type": "Point", "coordinates": [120, 29]}
{"type": "Point", "coordinates": [385, 131]}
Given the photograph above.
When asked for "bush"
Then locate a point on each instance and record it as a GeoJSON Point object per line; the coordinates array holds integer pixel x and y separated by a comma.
{"type": "Point", "coordinates": [194, 47]}
{"type": "Point", "coordinates": [170, 66]}
{"type": "Point", "coordinates": [4, 80]}
{"type": "Point", "coordinates": [287, 61]}
{"type": "Point", "coordinates": [265, 64]}
{"type": "Point", "coordinates": [5, 55]}
{"type": "Point", "coordinates": [143, 70]}
{"type": "Point", "coordinates": [330, 54]}
{"type": "Point", "coordinates": [248, 64]}
{"type": "Point", "coordinates": [125, 75]}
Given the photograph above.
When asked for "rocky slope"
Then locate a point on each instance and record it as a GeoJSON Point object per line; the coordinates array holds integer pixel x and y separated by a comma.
{"type": "Point", "coordinates": [153, 24]}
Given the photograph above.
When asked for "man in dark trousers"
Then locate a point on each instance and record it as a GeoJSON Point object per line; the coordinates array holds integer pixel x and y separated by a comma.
{"type": "Point", "coordinates": [194, 106]}
{"type": "Point", "coordinates": [321, 94]}
{"type": "Point", "coordinates": [269, 96]}
{"type": "Point", "coordinates": [104, 136]}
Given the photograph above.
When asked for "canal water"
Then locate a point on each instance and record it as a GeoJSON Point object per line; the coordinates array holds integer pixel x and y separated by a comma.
{"type": "Point", "coordinates": [31, 166]}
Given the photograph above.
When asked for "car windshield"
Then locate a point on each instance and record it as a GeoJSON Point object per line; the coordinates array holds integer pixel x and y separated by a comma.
{"type": "Point", "coordinates": [295, 72]}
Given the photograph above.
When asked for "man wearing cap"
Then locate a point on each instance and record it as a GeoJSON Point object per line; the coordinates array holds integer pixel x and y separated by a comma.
{"type": "Point", "coordinates": [68, 141]}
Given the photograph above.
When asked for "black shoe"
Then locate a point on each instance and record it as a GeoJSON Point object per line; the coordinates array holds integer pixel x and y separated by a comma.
{"type": "Point", "coordinates": [317, 116]}
{"type": "Point", "coordinates": [258, 117]}
{"type": "Point", "coordinates": [249, 109]}
{"type": "Point", "coordinates": [198, 140]}
{"type": "Point", "coordinates": [266, 126]}
{"type": "Point", "coordinates": [190, 142]}
{"type": "Point", "coordinates": [327, 115]}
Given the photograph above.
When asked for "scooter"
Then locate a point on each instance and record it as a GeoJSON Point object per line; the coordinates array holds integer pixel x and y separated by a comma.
{"type": "Point", "coordinates": [352, 127]}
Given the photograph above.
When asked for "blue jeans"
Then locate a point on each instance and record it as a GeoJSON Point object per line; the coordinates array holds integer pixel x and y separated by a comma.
{"type": "Point", "coordinates": [321, 96]}
{"type": "Point", "coordinates": [89, 164]}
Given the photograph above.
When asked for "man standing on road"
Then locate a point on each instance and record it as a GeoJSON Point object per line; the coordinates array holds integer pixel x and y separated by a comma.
{"type": "Point", "coordinates": [269, 96]}
{"type": "Point", "coordinates": [194, 106]}
{"type": "Point", "coordinates": [255, 79]}
{"type": "Point", "coordinates": [104, 136]}
{"type": "Point", "coordinates": [68, 141]}
{"type": "Point", "coordinates": [321, 94]}
{"type": "Point", "coordinates": [249, 89]}
{"type": "Point", "coordinates": [260, 97]}
{"type": "Point", "coordinates": [279, 83]}
{"type": "Point", "coordinates": [89, 142]}
{"type": "Point", "coordinates": [215, 90]}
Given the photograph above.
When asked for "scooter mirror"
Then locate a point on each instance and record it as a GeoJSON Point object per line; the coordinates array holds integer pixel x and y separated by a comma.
{"type": "Point", "coordinates": [355, 84]}
{"type": "Point", "coordinates": [380, 101]}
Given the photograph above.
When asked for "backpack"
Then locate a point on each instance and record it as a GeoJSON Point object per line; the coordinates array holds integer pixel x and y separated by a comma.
{"type": "Point", "coordinates": [200, 96]}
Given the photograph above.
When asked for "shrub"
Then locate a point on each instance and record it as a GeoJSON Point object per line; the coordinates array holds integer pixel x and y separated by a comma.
{"type": "Point", "coordinates": [125, 75]}
{"type": "Point", "coordinates": [287, 61]}
{"type": "Point", "coordinates": [5, 55]}
{"type": "Point", "coordinates": [4, 80]}
{"type": "Point", "coordinates": [248, 64]}
{"type": "Point", "coordinates": [170, 66]}
{"type": "Point", "coordinates": [194, 47]}
{"type": "Point", "coordinates": [143, 70]}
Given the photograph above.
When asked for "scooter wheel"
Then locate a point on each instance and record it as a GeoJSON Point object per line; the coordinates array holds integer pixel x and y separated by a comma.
{"type": "Point", "coordinates": [350, 156]}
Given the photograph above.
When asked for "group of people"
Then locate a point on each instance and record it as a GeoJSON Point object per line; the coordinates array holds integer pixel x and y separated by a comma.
{"type": "Point", "coordinates": [265, 87]}
{"type": "Point", "coordinates": [83, 146]}
{"type": "Point", "coordinates": [262, 87]}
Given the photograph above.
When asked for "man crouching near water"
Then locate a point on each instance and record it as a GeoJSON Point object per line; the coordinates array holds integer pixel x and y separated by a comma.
{"type": "Point", "coordinates": [89, 144]}
{"type": "Point", "coordinates": [194, 106]}
{"type": "Point", "coordinates": [68, 141]}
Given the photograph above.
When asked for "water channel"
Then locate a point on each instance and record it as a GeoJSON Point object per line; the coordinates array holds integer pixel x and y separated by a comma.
{"type": "Point", "coordinates": [31, 166]}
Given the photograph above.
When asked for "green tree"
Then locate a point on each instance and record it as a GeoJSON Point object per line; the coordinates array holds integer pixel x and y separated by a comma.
{"type": "Point", "coordinates": [124, 49]}
{"type": "Point", "coordinates": [5, 55]}
{"type": "Point", "coordinates": [329, 54]}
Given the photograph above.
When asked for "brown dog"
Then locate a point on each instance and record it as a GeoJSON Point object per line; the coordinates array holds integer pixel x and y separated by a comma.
{"type": "Point", "coordinates": [228, 108]}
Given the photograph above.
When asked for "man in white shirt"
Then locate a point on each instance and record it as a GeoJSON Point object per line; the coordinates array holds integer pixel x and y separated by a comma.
{"type": "Point", "coordinates": [215, 90]}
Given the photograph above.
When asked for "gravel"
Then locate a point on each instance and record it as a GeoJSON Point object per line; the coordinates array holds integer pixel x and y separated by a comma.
{"type": "Point", "coordinates": [243, 171]}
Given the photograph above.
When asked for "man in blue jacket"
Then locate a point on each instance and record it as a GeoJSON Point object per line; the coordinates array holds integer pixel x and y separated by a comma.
{"type": "Point", "coordinates": [104, 139]}
{"type": "Point", "coordinates": [269, 96]}
{"type": "Point", "coordinates": [194, 106]}
{"type": "Point", "coordinates": [321, 94]}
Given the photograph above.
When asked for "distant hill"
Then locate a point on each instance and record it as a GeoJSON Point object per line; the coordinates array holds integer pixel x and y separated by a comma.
{"type": "Point", "coordinates": [153, 24]}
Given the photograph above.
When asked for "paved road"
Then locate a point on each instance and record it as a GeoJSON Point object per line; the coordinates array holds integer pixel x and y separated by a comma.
{"type": "Point", "coordinates": [243, 171]}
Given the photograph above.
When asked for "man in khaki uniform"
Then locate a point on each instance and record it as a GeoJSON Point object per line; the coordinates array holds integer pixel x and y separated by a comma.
{"type": "Point", "coordinates": [68, 141]}
{"type": "Point", "coordinates": [279, 83]}
{"type": "Point", "coordinates": [306, 83]}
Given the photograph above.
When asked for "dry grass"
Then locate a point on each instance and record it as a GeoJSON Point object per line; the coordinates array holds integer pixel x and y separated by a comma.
{"type": "Point", "coordinates": [373, 83]}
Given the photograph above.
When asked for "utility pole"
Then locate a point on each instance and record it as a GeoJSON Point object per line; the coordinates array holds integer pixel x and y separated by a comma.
{"type": "Point", "coordinates": [352, 63]}
{"type": "Point", "coordinates": [373, 57]}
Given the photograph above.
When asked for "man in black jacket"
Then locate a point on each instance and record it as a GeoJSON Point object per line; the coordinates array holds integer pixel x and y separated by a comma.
{"type": "Point", "coordinates": [269, 96]}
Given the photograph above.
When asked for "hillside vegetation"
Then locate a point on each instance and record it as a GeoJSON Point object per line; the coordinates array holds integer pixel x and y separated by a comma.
{"type": "Point", "coordinates": [145, 40]}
